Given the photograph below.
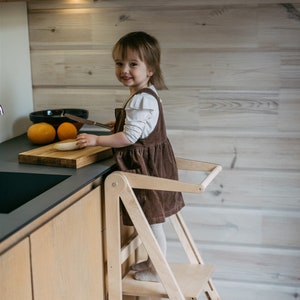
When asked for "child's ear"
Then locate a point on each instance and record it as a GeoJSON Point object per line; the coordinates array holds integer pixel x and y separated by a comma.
{"type": "Point", "coordinates": [150, 73]}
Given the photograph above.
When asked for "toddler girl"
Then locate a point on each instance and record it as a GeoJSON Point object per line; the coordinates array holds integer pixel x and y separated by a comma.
{"type": "Point", "coordinates": [139, 140]}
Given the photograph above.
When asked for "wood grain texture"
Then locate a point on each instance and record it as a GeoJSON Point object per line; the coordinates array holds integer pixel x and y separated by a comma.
{"type": "Point", "coordinates": [15, 270]}
{"type": "Point", "coordinates": [67, 257]}
{"type": "Point", "coordinates": [186, 26]}
{"type": "Point", "coordinates": [289, 110]}
{"type": "Point", "coordinates": [249, 189]}
{"type": "Point", "coordinates": [48, 156]}
{"type": "Point", "coordinates": [44, 4]}
{"type": "Point", "coordinates": [244, 264]}
{"type": "Point", "coordinates": [182, 273]}
{"type": "Point", "coordinates": [243, 227]}
{"type": "Point", "coordinates": [184, 108]}
{"type": "Point", "coordinates": [233, 72]}
{"type": "Point", "coordinates": [239, 151]}
{"type": "Point", "coordinates": [230, 70]}
{"type": "Point", "coordinates": [261, 291]}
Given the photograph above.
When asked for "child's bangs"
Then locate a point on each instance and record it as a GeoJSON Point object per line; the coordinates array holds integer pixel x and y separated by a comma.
{"type": "Point", "coordinates": [121, 50]}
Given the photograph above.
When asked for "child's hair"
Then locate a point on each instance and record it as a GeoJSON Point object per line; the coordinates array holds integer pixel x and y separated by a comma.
{"type": "Point", "coordinates": [148, 50]}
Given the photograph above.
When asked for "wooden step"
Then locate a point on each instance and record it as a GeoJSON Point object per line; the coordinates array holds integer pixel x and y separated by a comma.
{"type": "Point", "coordinates": [191, 279]}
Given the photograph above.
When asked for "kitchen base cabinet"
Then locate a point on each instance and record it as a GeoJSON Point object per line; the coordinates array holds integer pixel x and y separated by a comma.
{"type": "Point", "coordinates": [15, 278]}
{"type": "Point", "coordinates": [67, 253]}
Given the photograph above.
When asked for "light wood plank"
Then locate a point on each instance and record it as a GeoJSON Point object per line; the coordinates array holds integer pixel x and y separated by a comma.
{"type": "Point", "coordinates": [67, 257]}
{"type": "Point", "coordinates": [203, 109]}
{"type": "Point", "coordinates": [100, 25]}
{"type": "Point", "coordinates": [49, 156]}
{"type": "Point", "coordinates": [289, 110]}
{"type": "Point", "coordinates": [275, 153]}
{"type": "Point", "coordinates": [99, 102]}
{"type": "Point", "coordinates": [243, 227]}
{"type": "Point", "coordinates": [290, 71]}
{"type": "Point", "coordinates": [238, 264]}
{"type": "Point", "coordinates": [232, 70]}
{"type": "Point", "coordinates": [259, 291]}
{"type": "Point", "coordinates": [184, 274]}
{"type": "Point", "coordinates": [15, 273]}
{"type": "Point", "coordinates": [44, 4]}
{"type": "Point", "coordinates": [81, 68]}
{"type": "Point", "coordinates": [248, 189]}
{"type": "Point", "coordinates": [220, 109]}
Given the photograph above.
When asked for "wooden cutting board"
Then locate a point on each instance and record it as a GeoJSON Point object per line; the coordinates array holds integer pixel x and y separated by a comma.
{"type": "Point", "coordinates": [48, 156]}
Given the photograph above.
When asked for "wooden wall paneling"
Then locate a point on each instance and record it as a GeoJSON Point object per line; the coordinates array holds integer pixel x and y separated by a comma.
{"type": "Point", "coordinates": [60, 27]}
{"type": "Point", "coordinates": [242, 264]}
{"type": "Point", "coordinates": [99, 102]}
{"type": "Point", "coordinates": [175, 27]}
{"type": "Point", "coordinates": [44, 4]}
{"type": "Point", "coordinates": [258, 291]}
{"type": "Point", "coordinates": [290, 70]}
{"type": "Point", "coordinates": [72, 68]}
{"type": "Point", "coordinates": [220, 110]}
{"type": "Point", "coordinates": [238, 152]}
{"type": "Point", "coordinates": [272, 35]}
{"type": "Point", "coordinates": [248, 189]}
{"type": "Point", "coordinates": [227, 70]}
{"type": "Point", "coordinates": [289, 110]}
{"type": "Point", "coordinates": [252, 227]}
{"type": "Point", "coordinates": [234, 71]}
{"type": "Point", "coordinates": [185, 108]}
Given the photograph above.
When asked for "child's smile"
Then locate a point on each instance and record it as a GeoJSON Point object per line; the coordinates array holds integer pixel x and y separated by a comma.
{"type": "Point", "coordinates": [132, 71]}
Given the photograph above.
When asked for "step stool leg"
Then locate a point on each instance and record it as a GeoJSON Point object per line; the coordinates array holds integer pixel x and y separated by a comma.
{"type": "Point", "coordinates": [113, 242]}
{"type": "Point", "coordinates": [147, 237]}
{"type": "Point", "coordinates": [192, 252]}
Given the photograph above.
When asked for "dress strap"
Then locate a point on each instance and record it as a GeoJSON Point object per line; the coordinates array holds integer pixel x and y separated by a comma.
{"type": "Point", "coordinates": [149, 91]}
{"type": "Point", "coordinates": [144, 90]}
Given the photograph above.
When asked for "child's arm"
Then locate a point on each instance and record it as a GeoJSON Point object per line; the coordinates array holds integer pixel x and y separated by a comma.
{"type": "Point", "coordinates": [116, 140]}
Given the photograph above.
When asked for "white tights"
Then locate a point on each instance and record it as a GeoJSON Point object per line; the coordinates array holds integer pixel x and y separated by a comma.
{"type": "Point", "coordinates": [145, 269]}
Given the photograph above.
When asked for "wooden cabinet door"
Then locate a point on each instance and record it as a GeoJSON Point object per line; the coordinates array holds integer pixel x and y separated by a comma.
{"type": "Point", "coordinates": [15, 278]}
{"type": "Point", "coordinates": [67, 255]}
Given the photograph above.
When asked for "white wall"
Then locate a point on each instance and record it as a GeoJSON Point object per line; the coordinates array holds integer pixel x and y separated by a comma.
{"type": "Point", "coordinates": [15, 72]}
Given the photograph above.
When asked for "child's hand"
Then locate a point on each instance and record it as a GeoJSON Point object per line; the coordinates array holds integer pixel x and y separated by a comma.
{"type": "Point", "coordinates": [112, 124]}
{"type": "Point", "coordinates": [85, 140]}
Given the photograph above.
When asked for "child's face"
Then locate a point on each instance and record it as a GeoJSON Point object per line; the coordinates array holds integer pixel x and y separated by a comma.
{"type": "Point", "coordinates": [132, 71]}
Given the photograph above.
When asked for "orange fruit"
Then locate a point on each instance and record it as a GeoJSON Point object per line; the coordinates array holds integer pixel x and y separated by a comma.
{"type": "Point", "coordinates": [66, 131]}
{"type": "Point", "coordinates": [41, 133]}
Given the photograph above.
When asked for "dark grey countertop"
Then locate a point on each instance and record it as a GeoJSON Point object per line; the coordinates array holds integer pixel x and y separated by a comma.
{"type": "Point", "coordinates": [78, 178]}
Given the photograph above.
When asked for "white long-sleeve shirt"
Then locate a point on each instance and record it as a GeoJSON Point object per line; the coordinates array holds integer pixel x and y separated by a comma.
{"type": "Point", "coordinates": [141, 116]}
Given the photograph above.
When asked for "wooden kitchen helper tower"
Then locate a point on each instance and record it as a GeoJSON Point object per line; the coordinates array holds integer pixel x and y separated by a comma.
{"type": "Point", "coordinates": [178, 281]}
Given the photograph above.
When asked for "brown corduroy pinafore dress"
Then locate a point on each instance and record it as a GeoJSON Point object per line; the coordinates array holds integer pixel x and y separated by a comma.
{"type": "Point", "coordinates": [151, 156]}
